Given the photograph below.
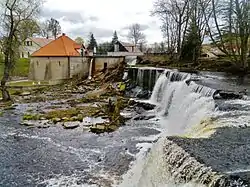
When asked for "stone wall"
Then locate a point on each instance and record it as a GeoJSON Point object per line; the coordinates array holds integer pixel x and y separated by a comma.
{"type": "Point", "coordinates": [59, 68]}
{"type": "Point", "coordinates": [99, 62]}
{"type": "Point", "coordinates": [49, 68]}
{"type": "Point", "coordinates": [79, 66]}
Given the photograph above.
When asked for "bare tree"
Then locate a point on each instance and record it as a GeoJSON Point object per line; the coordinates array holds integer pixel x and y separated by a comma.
{"type": "Point", "coordinates": [175, 16]}
{"type": "Point", "coordinates": [54, 27]}
{"type": "Point", "coordinates": [229, 28]}
{"type": "Point", "coordinates": [79, 40]}
{"type": "Point", "coordinates": [136, 35]}
{"type": "Point", "coordinates": [16, 15]}
{"type": "Point", "coordinates": [44, 29]}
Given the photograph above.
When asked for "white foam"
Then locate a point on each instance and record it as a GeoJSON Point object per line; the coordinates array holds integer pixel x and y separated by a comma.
{"type": "Point", "coordinates": [65, 181]}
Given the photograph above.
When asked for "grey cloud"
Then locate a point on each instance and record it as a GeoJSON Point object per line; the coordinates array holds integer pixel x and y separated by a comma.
{"type": "Point", "coordinates": [70, 16]}
{"type": "Point", "coordinates": [143, 27]}
{"type": "Point", "coordinates": [98, 32]}
{"type": "Point", "coordinates": [93, 18]}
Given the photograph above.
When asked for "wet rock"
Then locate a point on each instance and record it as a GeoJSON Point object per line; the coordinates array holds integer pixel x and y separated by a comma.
{"type": "Point", "coordinates": [102, 128]}
{"type": "Point", "coordinates": [143, 117]}
{"type": "Point", "coordinates": [219, 94]}
{"type": "Point", "coordinates": [144, 94]}
{"type": "Point", "coordinates": [34, 123]}
{"type": "Point", "coordinates": [71, 125]}
{"type": "Point", "coordinates": [65, 119]}
{"type": "Point", "coordinates": [12, 107]}
{"type": "Point", "coordinates": [25, 93]}
{"type": "Point", "coordinates": [98, 128]}
{"type": "Point", "coordinates": [144, 105]}
{"type": "Point", "coordinates": [56, 120]}
{"type": "Point", "coordinates": [26, 123]}
{"type": "Point", "coordinates": [43, 126]}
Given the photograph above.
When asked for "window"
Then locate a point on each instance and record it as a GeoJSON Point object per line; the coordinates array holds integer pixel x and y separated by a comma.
{"type": "Point", "coordinates": [28, 54]}
{"type": "Point", "coordinates": [105, 65]}
{"type": "Point", "coordinates": [28, 43]}
{"type": "Point", "coordinates": [59, 63]}
{"type": "Point", "coordinates": [37, 63]}
{"type": "Point", "coordinates": [22, 55]}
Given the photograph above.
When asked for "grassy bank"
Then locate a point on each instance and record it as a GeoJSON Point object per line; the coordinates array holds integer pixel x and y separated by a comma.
{"type": "Point", "coordinates": [222, 64]}
{"type": "Point", "coordinates": [21, 68]}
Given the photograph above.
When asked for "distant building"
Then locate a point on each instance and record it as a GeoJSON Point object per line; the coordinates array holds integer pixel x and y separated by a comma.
{"type": "Point", "coordinates": [124, 49]}
{"type": "Point", "coordinates": [32, 44]}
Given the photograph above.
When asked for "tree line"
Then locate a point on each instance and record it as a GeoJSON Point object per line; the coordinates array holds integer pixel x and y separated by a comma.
{"type": "Point", "coordinates": [185, 23]}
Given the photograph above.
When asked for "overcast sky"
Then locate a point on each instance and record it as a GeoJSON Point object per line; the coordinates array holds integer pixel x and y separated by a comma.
{"type": "Point", "coordinates": [102, 17]}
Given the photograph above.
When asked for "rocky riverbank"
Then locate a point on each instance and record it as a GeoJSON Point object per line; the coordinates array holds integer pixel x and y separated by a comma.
{"type": "Point", "coordinates": [75, 103]}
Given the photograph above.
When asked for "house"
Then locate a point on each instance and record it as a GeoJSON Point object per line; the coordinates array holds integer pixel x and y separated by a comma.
{"type": "Point", "coordinates": [32, 44]}
{"type": "Point", "coordinates": [53, 61]}
{"type": "Point", "coordinates": [124, 49]}
{"type": "Point", "coordinates": [63, 59]}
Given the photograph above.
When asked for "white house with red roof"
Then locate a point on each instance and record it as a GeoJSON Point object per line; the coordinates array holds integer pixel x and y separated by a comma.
{"type": "Point", "coordinates": [32, 44]}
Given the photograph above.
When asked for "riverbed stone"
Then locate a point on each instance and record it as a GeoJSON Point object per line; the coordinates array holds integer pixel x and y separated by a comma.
{"type": "Point", "coordinates": [71, 125]}
{"type": "Point", "coordinates": [26, 93]}
{"type": "Point", "coordinates": [56, 120]}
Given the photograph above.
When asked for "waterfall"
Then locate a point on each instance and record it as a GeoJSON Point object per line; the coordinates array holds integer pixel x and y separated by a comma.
{"type": "Point", "coordinates": [144, 77]}
{"type": "Point", "coordinates": [181, 105]}
{"type": "Point", "coordinates": [90, 68]}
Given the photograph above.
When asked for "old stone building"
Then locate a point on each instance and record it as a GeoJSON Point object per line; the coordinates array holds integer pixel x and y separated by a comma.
{"type": "Point", "coordinates": [63, 58]}
{"type": "Point", "coordinates": [52, 62]}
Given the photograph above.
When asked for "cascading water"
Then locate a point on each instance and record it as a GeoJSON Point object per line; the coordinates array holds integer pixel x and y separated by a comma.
{"type": "Point", "coordinates": [181, 105]}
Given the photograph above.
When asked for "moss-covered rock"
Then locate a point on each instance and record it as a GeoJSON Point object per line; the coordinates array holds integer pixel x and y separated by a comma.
{"type": "Point", "coordinates": [56, 120]}
{"type": "Point", "coordinates": [31, 117]}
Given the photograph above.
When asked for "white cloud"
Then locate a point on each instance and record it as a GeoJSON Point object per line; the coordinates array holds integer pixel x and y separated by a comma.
{"type": "Point", "coordinates": [104, 15]}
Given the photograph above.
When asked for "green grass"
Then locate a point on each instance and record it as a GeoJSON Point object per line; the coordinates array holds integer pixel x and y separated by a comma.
{"type": "Point", "coordinates": [21, 68]}
{"type": "Point", "coordinates": [27, 83]}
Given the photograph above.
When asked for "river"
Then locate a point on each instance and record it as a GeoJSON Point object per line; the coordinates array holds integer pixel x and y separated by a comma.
{"type": "Point", "coordinates": [130, 157]}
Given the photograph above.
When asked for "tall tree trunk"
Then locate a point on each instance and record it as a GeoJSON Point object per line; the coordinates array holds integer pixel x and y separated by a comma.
{"type": "Point", "coordinates": [5, 92]}
{"type": "Point", "coordinates": [244, 52]}
{"type": "Point", "coordinates": [179, 40]}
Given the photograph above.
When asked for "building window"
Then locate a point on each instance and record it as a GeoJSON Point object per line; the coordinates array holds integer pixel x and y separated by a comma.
{"type": "Point", "coordinates": [28, 54]}
{"type": "Point", "coordinates": [59, 63]}
{"type": "Point", "coordinates": [105, 65]}
{"type": "Point", "coordinates": [37, 63]}
{"type": "Point", "coordinates": [22, 55]}
{"type": "Point", "coordinates": [28, 43]}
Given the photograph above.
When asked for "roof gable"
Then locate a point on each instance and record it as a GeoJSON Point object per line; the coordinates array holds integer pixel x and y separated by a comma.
{"type": "Point", "coordinates": [41, 41]}
{"type": "Point", "coordinates": [62, 46]}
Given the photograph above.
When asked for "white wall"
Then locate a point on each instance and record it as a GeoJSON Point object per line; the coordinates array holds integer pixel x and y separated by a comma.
{"type": "Point", "coordinates": [124, 54]}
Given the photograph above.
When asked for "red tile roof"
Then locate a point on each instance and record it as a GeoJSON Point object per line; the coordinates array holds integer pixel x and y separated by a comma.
{"type": "Point", "coordinates": [62, 46]}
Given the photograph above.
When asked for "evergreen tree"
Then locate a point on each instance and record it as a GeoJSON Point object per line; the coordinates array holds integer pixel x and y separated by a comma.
{"type": "Point", "coordinates": [192, 44]}
{"type": "Point", "coordinates": [92, 42]}
{"type": "Point", "coordinates": [105, 47]}
{"type": "Point", "coordinates": [115, 38]}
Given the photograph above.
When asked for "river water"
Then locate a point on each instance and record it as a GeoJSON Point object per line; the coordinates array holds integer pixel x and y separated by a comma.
{"type": "Point", "coordinates": [130, 157]}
